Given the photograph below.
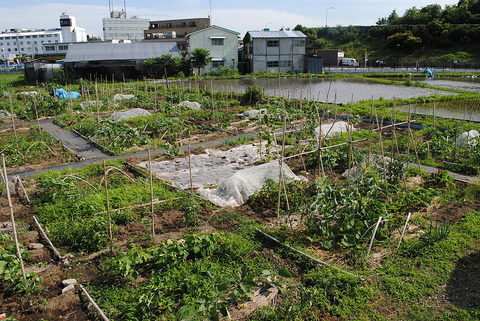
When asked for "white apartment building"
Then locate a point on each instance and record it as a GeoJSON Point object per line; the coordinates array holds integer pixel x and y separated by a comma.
{"type": "Point", "coordinates": [119, 27]}
{"type": "Point", "coordinates": [23, 42]}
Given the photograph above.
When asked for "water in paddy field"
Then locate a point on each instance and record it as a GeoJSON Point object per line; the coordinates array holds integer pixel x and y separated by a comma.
{"type": "Point", "coordinates": [468, 109]}
{"type": "Point", "coordinates": [340, 91]}
{"type": "Point", "coordinates": [462, 83]}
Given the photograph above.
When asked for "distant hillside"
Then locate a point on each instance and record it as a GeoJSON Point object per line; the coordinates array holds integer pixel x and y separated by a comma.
{"type": "Point", "coordinates": [446, 36]}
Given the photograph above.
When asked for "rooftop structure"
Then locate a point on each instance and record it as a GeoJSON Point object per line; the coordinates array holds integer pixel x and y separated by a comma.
{"type": "Point", "coordinates": [119, 27]}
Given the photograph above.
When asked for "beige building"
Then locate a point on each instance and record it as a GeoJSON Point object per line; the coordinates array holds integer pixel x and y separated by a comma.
{"type": "Point", "coordinates": [222, 44]}
{"type": "Point", "coordinates": [174, 30]}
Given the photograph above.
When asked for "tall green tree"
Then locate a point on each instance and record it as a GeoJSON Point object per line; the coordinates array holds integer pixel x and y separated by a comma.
{"type": "Point", "coordinates": [200, 58]}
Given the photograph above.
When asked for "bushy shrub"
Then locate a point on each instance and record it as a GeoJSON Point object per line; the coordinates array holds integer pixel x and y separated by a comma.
{"type": "Point", "coordinates": [252, 95]}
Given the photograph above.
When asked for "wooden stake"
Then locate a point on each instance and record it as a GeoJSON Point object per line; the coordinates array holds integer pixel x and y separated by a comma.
{"type": "Point", "coordinates": [95, 305]}
{"type": "Point", "coordinates": [12, 220]}
{"type": "Point", "coordinates": [373, 237]}
{"type": "Point", "coordinates": [45, 236]}
{"type": "Point", "coordinates": [190, 169]}
{"type": "Point", "coordinates": [280, 178]}
{"type": "Point", "coordinates": [404, 229]}
{"type": "Point", "coordinates": [306, 255]}
{"type": "Point", "coordinates": [23, 189]}
{"type": "Point", "coordinates": [151, 192]}
{"type": "Point", "coordinates": [107, 201]}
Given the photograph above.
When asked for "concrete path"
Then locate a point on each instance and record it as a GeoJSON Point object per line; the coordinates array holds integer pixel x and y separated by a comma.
{"type": "Point", "coordinates": [73, 142]}
{"type": "Point", "coordinates": [457, 177]}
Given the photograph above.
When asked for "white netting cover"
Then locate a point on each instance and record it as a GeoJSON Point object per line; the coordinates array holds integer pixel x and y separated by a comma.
{"type": "Point", "coordinates": [208, 168]}
{"type": "Point", "coordinates": [254, 113]}
{"type": "Point", "coordinates": [190, 105]}
{"type": "Point", "coordinates": [4, 114]}
{"type": "Point", "coordinates": [235, 190]}
{"type": "Point", "coordinates": [90, 103]}
{"type": "Point", "coordinates": [467, 138]}
{"type": "Point", "coordinates": [375, 162]}
{"type": "Point", "coordinates": [132, 113]}
{"type": "Point", "coordinates": [123, 97]}
{"type": "Point", "coordinates": [332, 129]}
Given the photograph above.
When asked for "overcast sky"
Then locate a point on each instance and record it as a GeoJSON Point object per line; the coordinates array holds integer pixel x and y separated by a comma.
{"type": "Point", "coordinates": [241, 16]}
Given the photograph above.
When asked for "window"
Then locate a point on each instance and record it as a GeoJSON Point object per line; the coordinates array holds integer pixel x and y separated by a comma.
{"type": "Point", "coordinates": [272, 63]}
{"type": "Point", "coordinates": [273, 43]}
{"type": "Point", "coordinates": [169, 25]}
{"type": "Point", "coordinates": [63, 47]}
{"type": "Point", "coordinates": [49, 48]}
{"type": "Point", "coordinates": [285, 63]}
{"type": "Point", "coordinates": [193, 24]}
{"type": "Point", "coordinates": [298, 43]}
{"type": "Point", "coordinates": [218, 63]}
{"type": "Point", "coordinates": [218, 41]}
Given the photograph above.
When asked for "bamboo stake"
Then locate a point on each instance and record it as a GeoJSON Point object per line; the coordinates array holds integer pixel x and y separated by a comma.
{"type": "Point", "coordinates": [13, 121]}
{"type": "Point", "coordinates": [107, 200]}
{"type": "Point", "coordinates": [280, 178]}
{"type": "Point", "coordinates": [434, 120]}
{"type": "Point", "coordinates": [404, 229]}
{"type": "Point", "coordinates": [138, 205]}
{"type": "Point", "coordinates": [190, 168]}
{"type": "Point", "coordinates": [95, 305]}
{"type": "Point", "coordinates": [12, 219]}
{"type": "Point", "coordinates": [306, 255]}
{"type": "Point", "coordinates": [151, 192]}
{"type": "Point", "coordinates": [23, 189]}
{"type": "Point", "coordinates": [373, 237]}
{"type": "Point", "coordinates": [45, 236]}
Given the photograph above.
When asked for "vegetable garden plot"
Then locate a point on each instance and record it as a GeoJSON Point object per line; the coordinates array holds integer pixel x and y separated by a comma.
{"type": "Point", "coordinates": [207, 275]}
{"type": "Point", "coordinates": [27, 147]}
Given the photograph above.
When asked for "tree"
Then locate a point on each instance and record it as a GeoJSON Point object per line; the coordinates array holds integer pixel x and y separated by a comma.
{"type": "Point", "coordinates": [200, 58]}
{"type": "Point", "coordinates": [165, 65]}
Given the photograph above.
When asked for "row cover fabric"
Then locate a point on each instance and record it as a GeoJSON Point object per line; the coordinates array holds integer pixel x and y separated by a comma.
{"type": "Point", "coordinates": [236, 189]}
{"type": "Point", "coordinates": [129, 114]}
{"type": "Point", "coordinates": [468, 139]}
{"type": "Point", "coordinates": [332, 129]}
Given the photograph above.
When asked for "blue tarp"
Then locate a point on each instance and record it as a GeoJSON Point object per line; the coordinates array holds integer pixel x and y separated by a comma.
{"type": "Point", "coordinates": [62, 93]}
{"type": "Point", "coordinates": [429, 71]}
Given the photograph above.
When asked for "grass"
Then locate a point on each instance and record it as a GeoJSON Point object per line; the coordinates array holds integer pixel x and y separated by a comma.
{"type": "Point", "coordinates": [403, 287]}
